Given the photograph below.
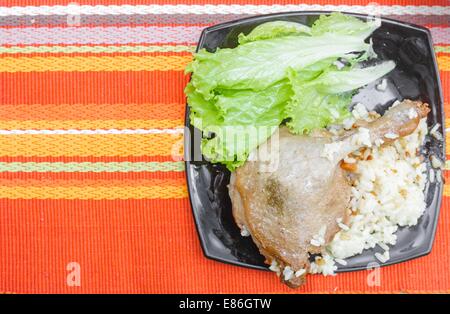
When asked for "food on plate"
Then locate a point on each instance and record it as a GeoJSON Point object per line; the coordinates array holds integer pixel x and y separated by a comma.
{"type": "Point", "coordinates": [315, 178]}
{"type": "Point", "coordinates": [297, 209]}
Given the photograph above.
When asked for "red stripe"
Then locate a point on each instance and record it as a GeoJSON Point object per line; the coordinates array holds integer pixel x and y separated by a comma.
{"type": "Point", "coordinates": [92, 87]}
{"type": "Point", "coordinates": [93, 112]}
{"type": "Point", "coordinates": [64, 25]}
{"type": "Point", "coordinates": [88, 182]}
{"type": "Point", "coordinates": [10, 3]}
{"type": "Point", "coordinates": [92, 175]}
{"type": "Point", "coordinates": [445, 81]}
{"type": "Point", "coordinates": [82, 205]}
{"type": "Point", "coordinates": [446, 174]}
{"type": "Point", "coordinates": [84, 159]}
{"type": "Point", "coordinates": [434, 25]}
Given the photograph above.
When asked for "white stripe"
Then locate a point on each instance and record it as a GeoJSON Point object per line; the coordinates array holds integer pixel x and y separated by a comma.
{"type": "Point", "coordinates": [73, 9]}
{"type": "Point", "coordinates": [92, 132]}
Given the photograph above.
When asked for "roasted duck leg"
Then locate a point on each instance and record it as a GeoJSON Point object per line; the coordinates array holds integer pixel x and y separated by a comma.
{"type": "Point", "coordinates": [292, 211]}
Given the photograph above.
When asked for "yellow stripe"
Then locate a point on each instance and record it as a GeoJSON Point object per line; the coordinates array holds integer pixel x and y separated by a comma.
{"type": "Point", "coordinates": [447, 165]}
{"type": "Point", "coordinates": [106, 63]}
{"type": "Point", "coordinates": [447, 141]}
{"type": "Point", "coordinates": [444, 49]}
{"type": "Point", "coordinates": [91, 145]}
{"type": "Point", "coordinates": [118, 63]}
{"type": "Point", "coordinates": [94, 193]}
{"type": "Point", "coordinates": [446, 190]}
{"type": "Point", "coordinates": [444, 63]}
{"type": "Point", "coordinates": [88, 124]}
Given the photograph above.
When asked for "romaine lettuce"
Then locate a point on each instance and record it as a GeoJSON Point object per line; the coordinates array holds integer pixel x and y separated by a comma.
{"type": "Point", "coordinates": [259, 64]}
{"type": "Point", "coordinates": [273, 30]}
{"type": "Point", "coordinates": [280, 71]}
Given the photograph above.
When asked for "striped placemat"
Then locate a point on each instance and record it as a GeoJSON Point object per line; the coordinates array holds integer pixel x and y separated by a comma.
{"type": "Point", "coordinates": [92, 188]}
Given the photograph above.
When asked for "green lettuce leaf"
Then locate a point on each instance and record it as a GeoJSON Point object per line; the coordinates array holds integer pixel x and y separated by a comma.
{"type": "Point", "coordinates": [311, 109]}
{"type": "Point", "coordinates": [259, 64]}
{"type": "Point", "coordinates": [347, 80]}
{"type": "Point", "coordinates": [326, 99]}
{"type": "Point", "coordinates": [231, 145]}
{"type": "Point", "coordinates": [338, 23]}
{"type": "Point", "coordinates": [247, 107]}
{"type": "Point", "coordinates": [239, 120]}
{"type": "Point", "coordinates": [273, 30]}
{"type": "Point", "coordinates": [202, 112]}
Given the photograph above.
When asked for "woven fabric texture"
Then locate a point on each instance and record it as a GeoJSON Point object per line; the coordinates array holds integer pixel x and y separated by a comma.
{"type": "Point", "coordinates": [92, 189]}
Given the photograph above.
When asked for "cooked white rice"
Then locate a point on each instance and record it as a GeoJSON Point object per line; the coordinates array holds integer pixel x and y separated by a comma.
{"type": "Point", "coordinates": [436, 162]}
{"type": "Point", "coordinates": [323, 265]}
{"type": "Point", "coordinates": [362, 137]}
{"type": "Point", "coordinates": [244, 231]}
{"type": "Point", "coordinates": [387, 193]}
{"type": "Point", "coordinates": [359, 111]}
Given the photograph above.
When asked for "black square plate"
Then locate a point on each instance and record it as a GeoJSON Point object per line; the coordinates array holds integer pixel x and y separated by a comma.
{"type": "Point", "coordinates": [416, 76]}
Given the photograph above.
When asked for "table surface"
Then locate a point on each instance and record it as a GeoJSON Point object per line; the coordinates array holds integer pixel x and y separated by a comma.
{"type": "Point", "coordinates": [92, 191]}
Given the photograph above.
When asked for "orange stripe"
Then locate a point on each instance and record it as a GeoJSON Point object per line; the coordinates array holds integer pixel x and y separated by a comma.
{"type": "Point", "coordinates": [169, 111]}
{"type": "Point", "coordinates": [84, 87]}
{"type": "Point", "coordinates": [445, 81]}
{"type": "Point", "coordinates": [119, 87]}
{"type": "Point", "coordinates": [88, 182]}
{"type": "Point", "coordinates": [90, 145]}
